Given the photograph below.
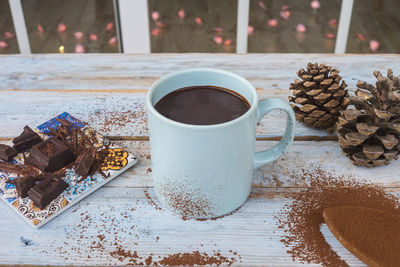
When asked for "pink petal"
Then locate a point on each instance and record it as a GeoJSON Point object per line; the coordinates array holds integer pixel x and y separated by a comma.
{"type": "Point", "coordinates": [285, 14]}
{"type": "Point", "coordinates": [93, 37]}
{"type": "Point", "coordinates": [110, 26]}
{"type": "Point", "coordinates": [301, 28]}
{"type": "Point", "coordinates": [250, 30]}
{"type": "Point", "coordinates": [155, 15]}
{"type": "Point", "coordinates": [374, 45]}
{"type": "Point", "coordinates": [9, 35]}
{"type": "Point", "coordinates": [181, 13]}
{"type": "Point", "coordinates": [160, 24]}
{"type": "Point", "coordinates": [330, 35]}
{"type": "Point", "coordinates": [361, 37]}
{"type": "Point", "coordinates": [218, 29]}
{"type": "Point", "coordinates": [218, 39]}
{"type": "Point", "coordinates": [285, 7]}
{"type": "Point", "coordinates": [3, 45]}
{"type": "Point", "coordinates": [333, 23]}
{"type": "Point", "coordinates": [228, 42]}
{"type": "Point", "coordinates": [79, 49]}
{"type": "Point", "coordinates": [155, 32]}
{"type": "Point", "coordinates": [39, 28]}
{"type": "Point", "coordinates": [315, 4]}
{"type": "Point", "coordinates": [113, 41]}
{"type": "Point", "coordinates": [79, 35]}
{"type": "Point", "coordinates": [272, 22]}
{"type": "Point", "coordinates": [61, 27]}
{"type": "Point", "coordinates": [261, 4]}
{"type": "Point", "coordinates": [199, 21]}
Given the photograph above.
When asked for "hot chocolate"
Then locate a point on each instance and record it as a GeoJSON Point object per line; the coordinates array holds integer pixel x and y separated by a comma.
{"type": "Point", "coordinates": [202, 105]}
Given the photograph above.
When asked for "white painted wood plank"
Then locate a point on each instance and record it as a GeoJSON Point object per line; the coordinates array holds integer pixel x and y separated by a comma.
{"type": "Point", "coordinates": [242, 24]}
{"type": "Point", "coordinates": [19, 108]}
{"type": "Point", "coordinates": [20, 26]}
{"type": "Point", "coordinates": [344, 26]}
{"type": "Point", "coordinates": [112, 218]}
{"type": "Point", "coordinates": [134, 22]}
{"type": "Point", "coordinates": [293, 169]}
{"type": "Point", "coordinates": [303, 159]}
{"type": "Point", "coordinates": [121, 71]}
{"type": "Point", "coordinates": [120, 210]}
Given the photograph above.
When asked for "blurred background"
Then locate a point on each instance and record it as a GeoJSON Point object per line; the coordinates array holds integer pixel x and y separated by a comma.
{"type": "Point", "coordinates": [178, 26]}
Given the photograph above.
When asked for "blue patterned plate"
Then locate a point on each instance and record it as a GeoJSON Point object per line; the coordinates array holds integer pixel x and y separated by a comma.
{"type": "Point", "coordinates": [118, 160]}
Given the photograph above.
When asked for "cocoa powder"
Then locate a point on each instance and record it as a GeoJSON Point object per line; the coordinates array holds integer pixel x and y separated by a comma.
{"type": "Point", "coordinates": [301, 219]}
{"type": "Point", "coordinates": [196, 258]}
{"type": "Point", "coordinates": [114, 236]}
{"type": "Point", "coordinates": [177, 259]}
{"type": "Point", "coordinates": [189, 203]}
{"type": "Point", "coordinates": [108, 121]}
{"type": "Point", "coordinates": [150, 200]}
{"type": "Point", "coordinates": [371, 235]}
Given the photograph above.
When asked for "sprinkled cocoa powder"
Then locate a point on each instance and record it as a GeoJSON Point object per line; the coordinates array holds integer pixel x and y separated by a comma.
{"type": "Point", "coordinates": [301, 219]}
{"type": "Point", "coordinates": [118, 236]}
{"type": "Point", "coordinates": [196, 258]}
{"type": "Point", "coordinates": [176, 204]}
{"type": "Point", "coordinates": [150, 200]}
{"type": "Point", "coordinates": [177, 259]}
{"type": "Point", "coordinates": [106, 121]}
{"type": "Point", "coordinates": [189, 203]}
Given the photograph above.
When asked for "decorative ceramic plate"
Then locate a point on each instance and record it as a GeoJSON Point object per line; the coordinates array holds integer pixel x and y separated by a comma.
{"type": "Point", "coordinates": [117, 161]}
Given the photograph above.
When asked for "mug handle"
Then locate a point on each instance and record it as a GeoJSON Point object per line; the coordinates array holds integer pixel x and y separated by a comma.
{"type": "Point", "coordinates": [273, 153]}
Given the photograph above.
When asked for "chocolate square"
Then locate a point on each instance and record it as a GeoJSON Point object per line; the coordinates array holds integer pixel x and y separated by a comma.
{"type": "Point", "coordinates": [50, 155]}
{"type": "Point", "coordinates": [7, 153]}
{"type": "Point", "coordinates": [83, 163]}
{"type": "Point", "coordinates": [44, 192]}
{"type": "Point", "coordinates": [26, 139]}
{"type": "Point", "coordinates": [23, 184]}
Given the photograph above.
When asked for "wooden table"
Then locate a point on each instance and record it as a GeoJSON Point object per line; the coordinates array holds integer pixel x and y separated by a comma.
{"type": "Point", "coordinates": [124, 214]}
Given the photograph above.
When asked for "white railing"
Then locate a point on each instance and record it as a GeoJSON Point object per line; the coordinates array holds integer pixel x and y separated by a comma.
{"type": "Point", "coordinates": [134, 33]}
{"type": "Point", "coordinates": [344, 26]}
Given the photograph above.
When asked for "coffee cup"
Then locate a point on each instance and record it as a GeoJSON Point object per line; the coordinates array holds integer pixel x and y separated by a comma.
{"type": "Point", "coordinates": [205, 171]}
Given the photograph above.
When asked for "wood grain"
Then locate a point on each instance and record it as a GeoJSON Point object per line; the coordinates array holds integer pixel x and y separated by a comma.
{"type": "Point", "coordinates": [117, 114]}
{"type": "Point", "coordinates": [86, 233]}
{"type": "Point", "coordinates": [122, 71]}
{"type": "Point", "coordinates": [99, 87]}
{"type": "Point", "coordinates": [303, 160]}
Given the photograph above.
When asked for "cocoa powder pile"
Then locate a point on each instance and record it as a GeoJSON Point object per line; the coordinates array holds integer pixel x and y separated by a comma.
{"type": "Point", "coordinates": [371, 235]}
{"type": "Point", "coordinates": [301, 219]}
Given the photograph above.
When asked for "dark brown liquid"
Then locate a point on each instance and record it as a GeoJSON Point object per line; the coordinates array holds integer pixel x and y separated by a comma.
{"type": "Point", "coordinates": [202, 105]}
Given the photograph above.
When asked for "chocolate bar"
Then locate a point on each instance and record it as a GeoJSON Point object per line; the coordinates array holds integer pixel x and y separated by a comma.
{"type": "Point", "coordinates": [50, 155]}
{"type": "Point", "coordinates": [26, 139]}
{"type": "Point", "coordinates": [83, 163]}
{"type": "Point", "coordinates": [23, 184]}
{"type": "Point", "coordinates": [7, 153]}
{"type": "Point", "coordinates": [44, 192]}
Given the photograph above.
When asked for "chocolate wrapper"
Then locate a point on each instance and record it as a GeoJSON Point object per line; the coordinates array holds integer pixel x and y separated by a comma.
{"type": "Point", "coordinates": [117, 161]}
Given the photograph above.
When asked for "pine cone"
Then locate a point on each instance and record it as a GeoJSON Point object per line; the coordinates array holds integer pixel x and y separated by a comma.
{"type": "Point", "coordinates": [318, 97]}
{"type": "Point", "coordinates": [370, 133]}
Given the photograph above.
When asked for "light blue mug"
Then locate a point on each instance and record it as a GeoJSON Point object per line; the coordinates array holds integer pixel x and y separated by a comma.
{"type": "Point", "coordinates": [205, 171]}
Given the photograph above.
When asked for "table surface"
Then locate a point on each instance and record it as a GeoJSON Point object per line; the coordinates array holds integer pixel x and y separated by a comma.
{"type": "Point", "coordinates": [123, 217]}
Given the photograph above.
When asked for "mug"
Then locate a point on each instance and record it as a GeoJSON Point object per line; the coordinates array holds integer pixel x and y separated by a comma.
{"type": "Point", "coordinates": [205, 171]}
